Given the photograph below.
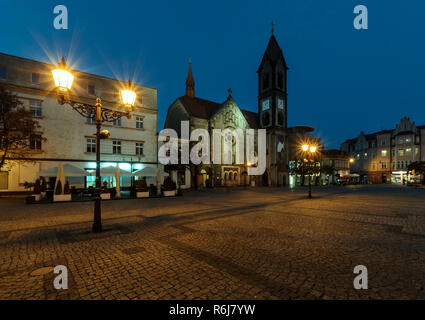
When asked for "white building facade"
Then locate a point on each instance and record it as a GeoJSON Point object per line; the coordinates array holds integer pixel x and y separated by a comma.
{"type": "Point", "coordinates": [70, 138]}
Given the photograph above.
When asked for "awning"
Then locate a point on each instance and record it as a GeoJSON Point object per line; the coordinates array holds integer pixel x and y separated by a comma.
{"type": "Point", "coordinates": [112, 172]}
{"type": "Point", "coordinates": [149, 172]}
{"type": "Point", "coordinates": [69, 171]}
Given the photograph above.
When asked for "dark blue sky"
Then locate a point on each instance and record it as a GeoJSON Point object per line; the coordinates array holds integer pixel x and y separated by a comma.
{"type": "Point", "coordinates": [341, 80]}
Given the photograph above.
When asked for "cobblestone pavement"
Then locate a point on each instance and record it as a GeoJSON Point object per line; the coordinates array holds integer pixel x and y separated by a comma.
{"type": "Point", "coordinates": [258, 243]}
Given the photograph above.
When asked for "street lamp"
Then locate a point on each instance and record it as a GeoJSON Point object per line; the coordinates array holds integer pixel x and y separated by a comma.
{"type": "Point", "coordinates": [309, 151]}
{"type": "Point", "coordinates": [63, 80]}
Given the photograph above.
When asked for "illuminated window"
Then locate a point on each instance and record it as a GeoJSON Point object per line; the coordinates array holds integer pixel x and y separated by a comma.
{"type": "Point", "coordinates": [408, 151]}
{"type": "Point", "coordinates": [383, 153]}
{"type": "Point", "coordinates": [139, 148]}
{"type": "Point", "coordinates": [139, 123]}
{"type": "Point", "coordinates": [116, 147]}
{"type": "Point", "coordinates": [35, 78]}
{"type": "Point", "coordinates": [35, 108]}
{"type": "Point", "coordinates": [91, 145]}
{"type": "Point", "coordinates": [35, 142]}
{"type": "Point", "coordinates": [400, 152]}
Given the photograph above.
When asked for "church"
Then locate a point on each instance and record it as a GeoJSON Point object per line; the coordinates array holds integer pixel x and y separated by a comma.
{"type": "Point", "coordinates": [209, 115]}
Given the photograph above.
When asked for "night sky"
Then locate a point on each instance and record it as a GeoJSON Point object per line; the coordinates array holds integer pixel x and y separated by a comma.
{"type": "Point", "coordinates": [341, 80]}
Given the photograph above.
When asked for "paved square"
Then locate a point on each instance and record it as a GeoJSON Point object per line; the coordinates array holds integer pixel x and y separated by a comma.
{"type": "Point", "coordinates": [257, 243]}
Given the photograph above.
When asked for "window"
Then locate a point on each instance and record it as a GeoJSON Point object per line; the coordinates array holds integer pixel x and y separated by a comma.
{"type": "Point", "coordinates": [358, 156]}
{"type": "Point", "coordinates": [280, 118]}
{"type": "Point", "coordinates": [91, 120]}
{"type": "Point", "coordinates": [383, 153]}
{"type": "Point", "coordinates": [266, 119]}
{"type": "Point", "coordinates": [408, 139]}
{"type": "Point", "coordinates": [139, 148]}
{"type": "Point", "coordinates": [91, 89]}
{"type": "Point", "coordinates": [400, 152]}
{"type": "Point", "coordinates": [365, 155]}
{"type": "Point", "coordinates": [116, 147]}
{"type": "Point", "coordinates": [4, 179]}
{"type": "Point", "coordinates": [139, 123]}
{"type": "Point", "coordinates": [417, 139]}
{"type": "Point", "coordinates": [35, 142]}
{"type": "Point", "coordinates": [280, 80]}
{"type": "Point", "coordinates": [416, 151]}
{"type": "Point", "coordinates": [91, 145]}
{"type": "Point", "coordinates": [117, 123]}
{"type": "Point", "coordinates": [408, 151]}
{"type": "Point", "coordinates": [3, 73]}
{"type": "Point", "coordinates": [35, 78]}
{"type": "Point", "coordinates": [398, 164]}
{"type": "Point", "coordinates": [393, 153]}
{"type": "Point", "coordinates": [265, 80]}
{"type": "Point", "coordinates": [35, 108]}
{"type": "Point", "coordinates": [400, 140]}
{"type": "Point", "coordinates": [384, 142]}
{"type": "Point", "coordinates": [383, 165]}
{"type": "Point", "coordinates": [373, 144]}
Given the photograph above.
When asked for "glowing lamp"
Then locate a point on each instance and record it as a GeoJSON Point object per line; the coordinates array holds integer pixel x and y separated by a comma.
{"type": "Point", "coordinates": [305, 147]}
{"type": "Point", "coordinates": [128, 96]}
{"type": "Point", "coordinates": [313, 149]}
{"type": "Point", "coordinates": [62, 77]}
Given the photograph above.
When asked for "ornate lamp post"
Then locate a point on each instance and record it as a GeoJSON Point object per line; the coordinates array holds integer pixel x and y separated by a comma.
{"type": "Point", "coordinates": [63, 80]}
{"type": "Point", "coordinates": [309, 151]}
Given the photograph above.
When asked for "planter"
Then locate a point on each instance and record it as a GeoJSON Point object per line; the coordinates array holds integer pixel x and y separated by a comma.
{"type": "Point", "coordinates": [144, 194]}
{"type": "Point", "coordinates": [61, 197]}
{"type": "Point", "coordinates": [105, 196]}
{"type": "Point", "coordinates": [37, 197]}
{"type": "Point", "coordinates": [170, 193]}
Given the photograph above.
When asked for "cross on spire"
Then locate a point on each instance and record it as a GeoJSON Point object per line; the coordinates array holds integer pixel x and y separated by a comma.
{"type": "Point", "coordinates": [230, 92]}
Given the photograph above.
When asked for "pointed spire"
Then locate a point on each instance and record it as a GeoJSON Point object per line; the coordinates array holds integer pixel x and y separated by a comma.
{"type": "Point", "coordinates": [272, 27]}
{"type": "Point", "coordinates": [190, 82]}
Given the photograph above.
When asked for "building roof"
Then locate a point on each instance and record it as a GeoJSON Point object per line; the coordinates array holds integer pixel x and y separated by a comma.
{"type": "Point", "coordinates": [273, 52]}
{"type": "Point", "coordinates": [205, 109]}
{"type": "Point", "coordinates": [251, 118]}
{"type": "Point", "coordinates": [369, 136]}
{"type": "Point", "coordinates": [200, 108]}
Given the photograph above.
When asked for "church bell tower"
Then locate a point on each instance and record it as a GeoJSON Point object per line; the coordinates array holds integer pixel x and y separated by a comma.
{"type": "Point", "coordinates": [272, 113]}
{"type": "Point", "coordinates": [272, 94]}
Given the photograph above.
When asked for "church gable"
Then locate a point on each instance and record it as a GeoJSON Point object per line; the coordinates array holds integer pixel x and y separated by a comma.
{"type": "Point", "coordinates": [229, 115]}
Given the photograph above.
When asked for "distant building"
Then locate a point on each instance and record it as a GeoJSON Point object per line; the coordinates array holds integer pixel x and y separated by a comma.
{"type": "Point", "coordinates": [71, 137]}
{"type": "Point", "coordinates": [338, 161]}
{"type": "Point", "coordinates": [383, 156]}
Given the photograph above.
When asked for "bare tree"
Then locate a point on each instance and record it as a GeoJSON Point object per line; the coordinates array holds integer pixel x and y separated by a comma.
{"type": "Point", "coordinates": [17, 127]}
